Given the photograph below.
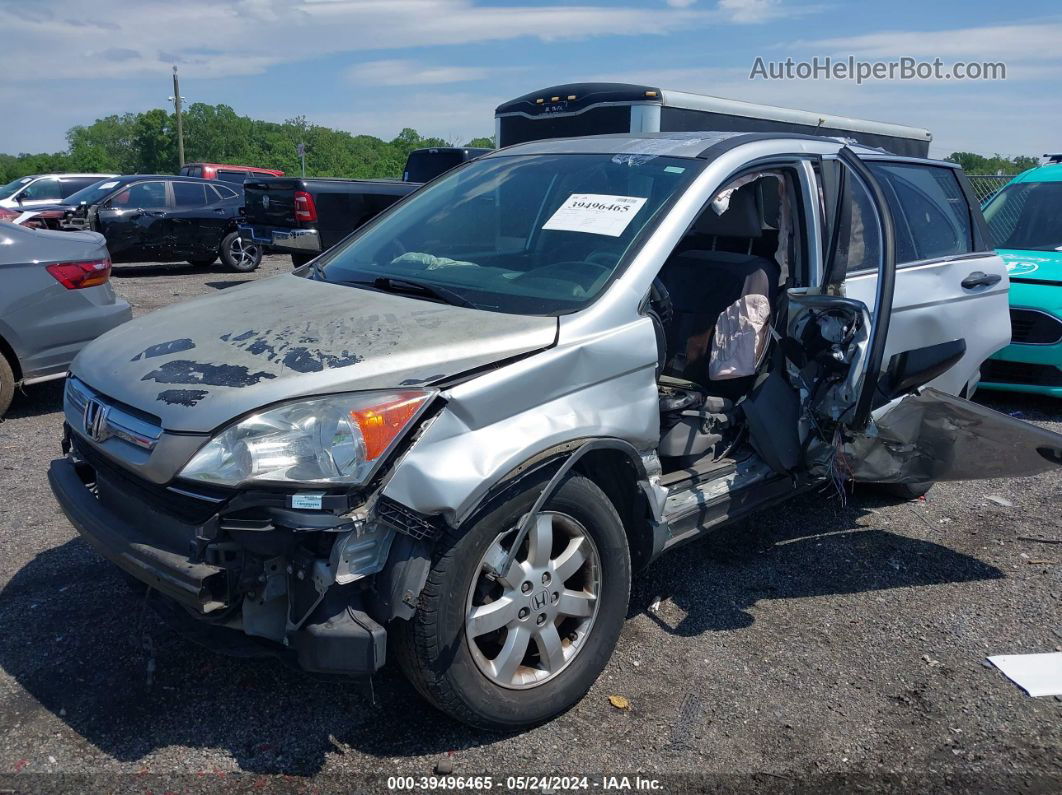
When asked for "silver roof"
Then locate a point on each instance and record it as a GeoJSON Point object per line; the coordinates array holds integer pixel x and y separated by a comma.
{"type": "Point", "coordinates": [689, 144]}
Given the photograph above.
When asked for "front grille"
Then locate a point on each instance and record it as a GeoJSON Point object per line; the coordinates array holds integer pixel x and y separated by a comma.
{"type": "Point", "coordinates": [183, 507]}
{"type": "Point", "coordinates": [408, 521]}
{"type": "Point", "coordinates": [999, 372]}
{"type": "Point", "coordinates": [1033, 327]}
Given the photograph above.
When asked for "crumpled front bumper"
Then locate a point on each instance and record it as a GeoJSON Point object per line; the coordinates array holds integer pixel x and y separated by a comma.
{"type": "Point", "coordinates": [337, 637]}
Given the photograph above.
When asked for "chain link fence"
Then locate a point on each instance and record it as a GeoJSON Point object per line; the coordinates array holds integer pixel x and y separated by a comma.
{"type": "Point", "coordinates": [985, 185]}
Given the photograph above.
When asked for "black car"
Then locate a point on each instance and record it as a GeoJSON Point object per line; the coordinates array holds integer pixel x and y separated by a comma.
{"type": "Point", "coordinates": [161, 218]}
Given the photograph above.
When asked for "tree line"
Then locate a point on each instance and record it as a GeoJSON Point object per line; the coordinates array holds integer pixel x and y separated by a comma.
{"type": "Point", "coordinates": [146, 143]}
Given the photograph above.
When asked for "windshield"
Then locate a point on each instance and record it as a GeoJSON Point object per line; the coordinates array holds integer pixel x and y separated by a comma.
{"type": "Point", "coordinates": [9, 189]}
{"type": "Point", "coordinates": [93, 193]}
{"type": "Point", "coordinates": [531, 234]}
{"type": "Point", "coordinates": [1027, 215]}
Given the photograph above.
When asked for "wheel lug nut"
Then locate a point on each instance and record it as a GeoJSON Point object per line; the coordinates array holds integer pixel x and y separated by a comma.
{"type": "Point", "coordinates": [526, 587]}
{"type": "Point", "coordinates": [524, 612]}
{"type": "Point", "coordinates": [541, 619]}
{"type": "Point", "coordinates": [556, 597]}
{"type": "Point", "coordinates": [545, 578]}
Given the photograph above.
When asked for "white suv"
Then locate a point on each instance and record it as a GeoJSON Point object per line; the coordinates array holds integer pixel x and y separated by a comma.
{"type": "Point", "coordinates": [37, 190]}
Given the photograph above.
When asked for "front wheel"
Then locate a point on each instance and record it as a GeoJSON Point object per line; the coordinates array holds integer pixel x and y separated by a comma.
{"type": "Point", "coordinates": [240, 254]}
{"type": "Point", "coordinates": [509, 653]}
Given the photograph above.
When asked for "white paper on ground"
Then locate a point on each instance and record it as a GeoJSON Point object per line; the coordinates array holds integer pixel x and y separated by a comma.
{"type": "Point", "coordinates": [595, 213]}
{"type": "Point", "coordinates": [1036, 674]}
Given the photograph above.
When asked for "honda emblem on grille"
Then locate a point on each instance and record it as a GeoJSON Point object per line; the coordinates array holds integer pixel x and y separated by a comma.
{"type": "Point", "coordinates": [96, 420]}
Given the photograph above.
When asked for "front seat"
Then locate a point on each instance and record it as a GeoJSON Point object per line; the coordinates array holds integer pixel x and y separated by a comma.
{"type": "Point", "coordinates": [703, 283]}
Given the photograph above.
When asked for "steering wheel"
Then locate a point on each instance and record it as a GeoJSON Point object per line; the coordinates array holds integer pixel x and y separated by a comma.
{"type": "Point", "coordinates": [573, 271]}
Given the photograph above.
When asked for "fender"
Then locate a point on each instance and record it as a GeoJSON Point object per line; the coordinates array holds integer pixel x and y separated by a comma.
{"type": "Point", "coordinates": [399, 583]}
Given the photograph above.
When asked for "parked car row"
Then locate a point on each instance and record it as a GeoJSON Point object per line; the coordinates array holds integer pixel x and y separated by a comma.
{"type": "Point", "coordinates": [159, 217]}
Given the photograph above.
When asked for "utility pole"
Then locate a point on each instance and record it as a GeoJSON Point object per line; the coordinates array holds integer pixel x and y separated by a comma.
{"type": "Point", "coordinates": [301, 149]}
{"type": "Point", "coordinates": [176, 99]}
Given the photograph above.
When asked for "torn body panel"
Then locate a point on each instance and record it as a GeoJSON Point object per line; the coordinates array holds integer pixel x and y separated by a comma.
{"type": "Point", "coordinates": [934, 436]}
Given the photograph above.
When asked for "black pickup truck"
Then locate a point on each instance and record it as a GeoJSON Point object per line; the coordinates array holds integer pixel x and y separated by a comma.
{"type": "Point", "coordinates": [304, 217]}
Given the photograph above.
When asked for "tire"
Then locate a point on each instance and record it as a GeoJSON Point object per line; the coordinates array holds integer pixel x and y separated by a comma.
{"type": "Point", "coordinates": [907, 491]}
{"type": "Point", "coordinates": [298, 259]}
{"type": "Point", "coordinates": [7, 385]}
{"type": "Point", "coordinates": [203, 262]}
{"type": "Point", "coordinates": [446, 663]}
{"type": "Point", "coordinates": [240, 255]}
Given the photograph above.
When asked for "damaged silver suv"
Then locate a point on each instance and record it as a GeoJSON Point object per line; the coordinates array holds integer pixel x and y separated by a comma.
{"type": "Point", "coordinates": [453, 437]}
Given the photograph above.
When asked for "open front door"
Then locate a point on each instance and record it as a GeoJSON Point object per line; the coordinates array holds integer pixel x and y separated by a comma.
{"type": "Point", "coordinates": [835, 344]}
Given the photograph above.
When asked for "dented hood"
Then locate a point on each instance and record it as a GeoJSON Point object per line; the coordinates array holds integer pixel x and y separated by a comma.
{"type": "Point", "coordinates": [199, 364]}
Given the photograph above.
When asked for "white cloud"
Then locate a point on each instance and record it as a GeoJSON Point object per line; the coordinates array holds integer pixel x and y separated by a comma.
{"type": "Point", "coordinates": [752, 11]}
{"type": "Point", "coordinates": [400, 72]}
{"type": "Point", "coordinates": [681, 3]}
{"type": "Point", "coordinates": [217, 38]}
{"type": "Point", "coordinates": [1003, 42]}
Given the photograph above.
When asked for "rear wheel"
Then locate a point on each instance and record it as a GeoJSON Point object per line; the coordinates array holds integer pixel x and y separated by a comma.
{"type": "Point", "coordinates": [300, 258]}
{"type": "Point", "coordinates": [7, 384]}
{"type": "Point", "coordinates": [508, 653]}
{"type": "Point", "coordinates": [240, 254]}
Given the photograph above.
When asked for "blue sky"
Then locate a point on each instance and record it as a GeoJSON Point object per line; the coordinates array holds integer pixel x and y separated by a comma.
{"type": "Point", "coordinates": [441, 66]}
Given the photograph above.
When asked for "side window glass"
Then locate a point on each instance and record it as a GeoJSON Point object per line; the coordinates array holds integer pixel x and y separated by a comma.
{"type": "Point", "coordinates": [189, 194]}
{"type": "Point", "coordinates": [238, 177]}
{"type": "Point", "coordinates": [226, 193]}
{"type": "Point", "coordinates": [73, 185]}
{"type": "Point", "coordinates": [859, 230]}
{"type": "Point", "coordinates": [930, 208]}
{"type": "Point", "coordinates": [146, 196]}
{"type": "Point", "coordinates": [41, 190]}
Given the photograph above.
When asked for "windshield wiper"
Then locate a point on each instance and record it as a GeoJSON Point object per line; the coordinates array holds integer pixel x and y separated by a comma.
{"type": "Point", "coordinates": [412, 287]}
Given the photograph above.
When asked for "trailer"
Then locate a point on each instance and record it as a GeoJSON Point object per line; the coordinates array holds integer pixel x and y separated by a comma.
{"type": "Point", "coordinates": [578, 109]}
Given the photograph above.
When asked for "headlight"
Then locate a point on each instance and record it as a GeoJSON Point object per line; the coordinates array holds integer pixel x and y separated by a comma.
{"type": "Point", "coordinates": [337, 439]}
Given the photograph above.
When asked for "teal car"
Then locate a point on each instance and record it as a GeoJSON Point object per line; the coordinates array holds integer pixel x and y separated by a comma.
{"type": "Point", "coordinates": [1025, 218]}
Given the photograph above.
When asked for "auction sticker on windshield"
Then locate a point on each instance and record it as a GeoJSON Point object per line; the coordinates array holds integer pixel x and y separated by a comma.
{"type": "Point", "coordinates": [595, 213]}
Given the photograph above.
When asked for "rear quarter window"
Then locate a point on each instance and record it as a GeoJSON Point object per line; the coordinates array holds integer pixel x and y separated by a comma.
{"type": "Point", "coordinates": [929, 209]}
{"type": "Point", "coordinates": [237, 177]}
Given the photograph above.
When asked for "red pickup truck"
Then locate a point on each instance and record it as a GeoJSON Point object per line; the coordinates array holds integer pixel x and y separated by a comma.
{"type": "Point", "coordinates": [227, 173]}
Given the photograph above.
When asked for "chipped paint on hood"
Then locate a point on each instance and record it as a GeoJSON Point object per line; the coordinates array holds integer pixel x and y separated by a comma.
{"type": "Point", "coordinates": [199, 364]}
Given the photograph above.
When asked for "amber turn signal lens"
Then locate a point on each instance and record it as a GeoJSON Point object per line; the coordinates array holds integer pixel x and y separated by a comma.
{"type": "Point", "coordinates": [380, 424]}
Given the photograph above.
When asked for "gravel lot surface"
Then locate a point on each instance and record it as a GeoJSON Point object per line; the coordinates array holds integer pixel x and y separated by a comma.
{"type": "Point", "coordinates": [814, 643]}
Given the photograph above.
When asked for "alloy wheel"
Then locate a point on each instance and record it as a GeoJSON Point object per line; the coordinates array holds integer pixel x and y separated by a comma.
{"type": "Point", "coordinates": [527, 626]}
{"type": "Point", "coordinates": [243, 253]}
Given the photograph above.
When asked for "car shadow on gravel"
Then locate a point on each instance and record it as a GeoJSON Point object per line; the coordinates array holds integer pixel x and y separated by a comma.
{"type": "Point", "coordinates": [88, 650]}
{"type": "Point", "coordinates": [120, 271]}
{"type": "Point", "coordinates": [36, 400]}
{"type": "Point", "coordinates": [808, 546]}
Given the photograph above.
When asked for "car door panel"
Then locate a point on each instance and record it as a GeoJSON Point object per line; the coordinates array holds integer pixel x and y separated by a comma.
{"type": "Point", "coordinates": [933, 436]}
{"type": "Point", "coordinates": [930, 305]}
{"type": "Point", "coordinates": [133, 221]}
{"type": "Point", "coordinates": [831, 345]}
{"type": "Point", "coordinates": [934, 296]}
